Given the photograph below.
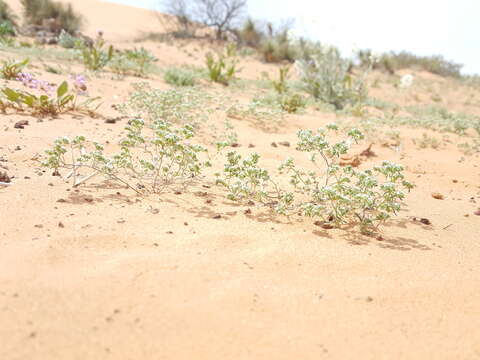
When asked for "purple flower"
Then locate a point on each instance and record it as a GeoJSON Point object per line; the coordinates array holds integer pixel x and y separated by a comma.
{"type": "Point", "coordinates": [80, 83]}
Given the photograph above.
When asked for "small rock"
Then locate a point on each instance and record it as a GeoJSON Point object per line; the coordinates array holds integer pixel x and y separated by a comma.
{"type": "Point", "coordinates": [274, 144]}
{"type": "Point", "coordinates": [438, 196]}
{"type": "Point", "coordinates": [323, 225]}
{"type": "Point", "coordinates": [20, 124]}
{"type": "Point", "coordinates": [251, 146]}
{"type": "Point", "coordinates": [284, 143]}
{"type": "Point", "coordinates": [60, 225]}
{"type": "Point", "coordinates": [477, 212]}
{"type": "Point", "coordinates": [247, 211]}
{"type": "Point", "coordinates": [218, 216]}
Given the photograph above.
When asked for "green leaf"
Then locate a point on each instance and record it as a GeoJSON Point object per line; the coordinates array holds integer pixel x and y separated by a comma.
{"type": "Point", "coordinates": [11, 95]}
{"type": "Point", "coordinates": [62, 89]}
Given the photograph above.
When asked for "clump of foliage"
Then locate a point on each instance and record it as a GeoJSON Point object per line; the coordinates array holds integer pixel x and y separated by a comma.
{"type": "Point", "coordinates": [222, 67]}
{"type": "Point", "coordinates": [326, 77]}
{"type": "Point", "coordinates": [180, 105]}
{"type": "Point", "coordinates": [68, 41]}
{"type": "Point", "coordinates": [7, 16]}
{"type": "Point", "coordinates": [250, 34]}
{"type": "Point", "coordinates": [180, 76]}
{"type": "Point", "coordinates": [152, 157]}
{"type": "Point", "coordinates": [64, 16]}
{"type": "Point", "coordinates": [436, 64]}
{"type": "Point", "coordinates": [64, 99]}
{"type": "Point", "coordinates": [11, 68]}
{"type": "Point", "coordinates": [136, 62]}
{"type": "Point", "coordinates": [97, 57]}
{"type": "Point", "coordinates": [335, 194]}
{"type": "Point", "coordinates": [278, 47]}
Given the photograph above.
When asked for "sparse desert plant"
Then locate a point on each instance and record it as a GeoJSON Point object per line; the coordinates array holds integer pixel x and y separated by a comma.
{"type": "Point", "coordinates": [180, 76]}
{"type": "Point", "coordinates": [426, 142]}
{"type": "Point", "coordinates": [44, 104]}
{"type": "Point", "coordinates": [278, 47]}
{"type": "Point", "coordinates": [222, 67]}
{"type": "Point", "coordinates": [136, 62]}
{"type": "Point", "coordinates": [152, 157]}
{"type": "Point", "coordinates": [250, 34]}
{"type": "Point", "coordinates": [327, 78]}
{"type": "Point", "coordinates": [435, 64]}
{"type": "Point", "coordinates": [8, 17]}
{"type": "Point", "coordinates": [97, 57]}
{"type": "Point", "coordinates": [64, 17]}
{"type": "Point", "coordinates": [68, 41]}
{"type": "Point", "coordinates": [337, 195]}
{"type": "Point", "coordinates": [291, 103]}
{"type": "Point", "coordinates": [12, 68]}
{"type": "Point", "coordinates": [281, 85]}
{"type": "Point", "coordinates": [180, 105]}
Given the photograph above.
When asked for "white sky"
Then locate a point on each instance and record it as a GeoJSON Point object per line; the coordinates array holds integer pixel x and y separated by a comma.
{"type": "Point", "coordinates": [424, 27]}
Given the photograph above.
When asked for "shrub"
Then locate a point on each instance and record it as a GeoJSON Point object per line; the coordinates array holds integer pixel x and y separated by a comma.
{"type": "Point", "coordinates": [152, 157]}
{"type": "Point", "coordinates": [180, 77]}
{"type": "Point", "coordinates": [222, 69]}
{"type": "Point", "coordinates": [68, 41]}
{"type": "Point", "coordinates": [136, 62]}
{"type": "Point", "coordinates": [435, 64]}
{"type": "Point", "coordinates": [337, 195]}
{"type": "Point", "coordinates": [250, 34]}
{"type": "Point", "coordinates": [278, 47]}
{"type": "Point", "coordinates": [181, 105]}
{"type": "Point", "coordinates": [326, 77]}
{"type": "Point", "coordinates": [7, 16]}
{"type": "Point", "coordinates": [38, 11]}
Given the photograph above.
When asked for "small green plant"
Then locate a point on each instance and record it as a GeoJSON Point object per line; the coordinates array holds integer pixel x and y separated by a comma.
{"type": "Point", "coordinates": [280, 85]}
{"type": "Point", "coordinates": [11, 68]}
{"type": "Point", "coordinates": [180, 76]}
{"type": "Point", "coordinates": [45, 104]}
{"type": "Point", "coordinates": [222, 67]}
{"type": "Point", "coordinates": [136, 62]}
{"type": "Point", "coordinates": [180, 105]}
{"type": "Point", "coordinates": [337, 195]}
{"type": "Point", "coordinates": [96, 57]}
{"type": "Point", "coordinates": [326, 77]}
{"type": "Point", "coordinates": [151, 158]}
{"type": "Point", "coordinates": [292, 103]}
{"type": "Point", "coordinates": [427, 142]}
{"type": "Point", "coordinates": [67, 41]}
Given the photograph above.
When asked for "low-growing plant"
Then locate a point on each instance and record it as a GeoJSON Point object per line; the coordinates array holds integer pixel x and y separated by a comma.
{"type": "Point", "coordinates": [64, 100]}
{"type": "Point", "coordinates": [179, 105]}
{"type": "Point", "coordinates": [136, 62]}
{"type": "Point", "coordinates": [281, 85]}
{"type": "Point", "coordinates": [152, 157]}
{"type": "Point", "coordinates": [337, 195]}
{"type": "Point", "coordinates": [180, 76]}
{"type": "Point", "coordinates": [326, 77]}
{"type": "Point", "coordinates": [68, 41]}
{"type": "Point", "coordinates": [12, 68]}
{"type": "Point", "coordinates": [96, 57]}
{"type": "Point", "coordinates": [291, 103]}
{"type": "Point", "coordinates": [222, 67]}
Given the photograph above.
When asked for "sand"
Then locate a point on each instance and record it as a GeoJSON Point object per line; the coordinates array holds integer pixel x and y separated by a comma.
{"type": "Point", "coordinates": [99, 273]}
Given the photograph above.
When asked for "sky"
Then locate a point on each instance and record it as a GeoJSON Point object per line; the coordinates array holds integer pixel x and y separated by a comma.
{"type": "Point", "coordinates": [424, 27]}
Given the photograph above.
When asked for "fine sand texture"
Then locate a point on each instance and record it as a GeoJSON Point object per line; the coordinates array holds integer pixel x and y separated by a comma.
{"type": "Point", "coordinates": [98, 272]}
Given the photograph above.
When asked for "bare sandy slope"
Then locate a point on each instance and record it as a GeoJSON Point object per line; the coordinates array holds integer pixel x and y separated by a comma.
{"type": "Point", "coordinates": [98, 273]}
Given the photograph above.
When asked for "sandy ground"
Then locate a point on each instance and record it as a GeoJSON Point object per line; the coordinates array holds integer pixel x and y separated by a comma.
{"type": "Point", "coordinates": [98, 273]}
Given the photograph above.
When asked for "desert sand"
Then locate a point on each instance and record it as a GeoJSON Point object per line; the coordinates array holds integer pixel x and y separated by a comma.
{"type": "Point", "coordinates": [97, 272]}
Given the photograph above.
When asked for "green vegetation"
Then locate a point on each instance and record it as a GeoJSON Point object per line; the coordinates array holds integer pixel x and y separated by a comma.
{"type": "Point", "coordinates": [65, 18]}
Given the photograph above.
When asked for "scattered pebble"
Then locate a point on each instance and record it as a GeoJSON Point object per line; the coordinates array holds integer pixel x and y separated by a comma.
{"type": "Point", "coordinates": [438, 196]}
{"type": "Point", "coordinates": [20, 124]}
